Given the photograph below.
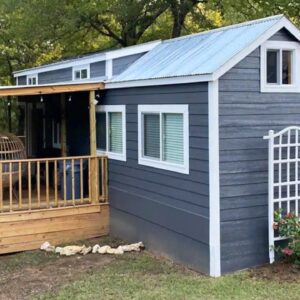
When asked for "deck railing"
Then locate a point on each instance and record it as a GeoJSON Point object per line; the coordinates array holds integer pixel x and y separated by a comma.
{"type": "Point", "coordinates": [52, 182]}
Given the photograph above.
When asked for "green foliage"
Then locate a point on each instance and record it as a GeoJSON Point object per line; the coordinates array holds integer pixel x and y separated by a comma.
{"type": "Point", "coordinates": [289, 226]}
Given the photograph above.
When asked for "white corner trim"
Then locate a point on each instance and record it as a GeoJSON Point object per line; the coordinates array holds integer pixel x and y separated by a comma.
{"type": "Point", "coordinates": [114, 108]}
{"type": "Point", "coordinates": [283, 23]}
{"type": "Point", "coordinates": [160, 164]}
{"type": "Point", "coordinates": [280, 88]}
{"type": "Point", "coordinates": [109, 68]}
{"type": "Point", "coordinates": [214, 180]}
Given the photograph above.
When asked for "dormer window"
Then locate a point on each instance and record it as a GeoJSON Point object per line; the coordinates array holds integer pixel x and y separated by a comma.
{"type": "Point", "coordinates": [81, 72]}
{"type": "Point", "coordinates": [278, 67]}
{"type": "Point", "coordinates": [32, 80]}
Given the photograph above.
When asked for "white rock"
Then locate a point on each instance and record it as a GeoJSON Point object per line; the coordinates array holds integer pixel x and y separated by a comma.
{"type": "Point", "coordinates": [96, 248]}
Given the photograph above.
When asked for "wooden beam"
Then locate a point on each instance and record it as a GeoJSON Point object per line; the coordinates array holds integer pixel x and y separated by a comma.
{"type": "Point", "coordinates": [93, 146]}
{"type": "Point", "coordinates": [50, 89]}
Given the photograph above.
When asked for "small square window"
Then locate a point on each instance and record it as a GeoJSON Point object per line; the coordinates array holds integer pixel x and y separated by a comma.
{"type": "Point", "coordinates": [84, 74]}
{"type": "Point", "coordinates": [81, 72]}
{"type": "Point", "coordinates": [32, 80]}
{"type": "Point", "coordinates": [279, 73]}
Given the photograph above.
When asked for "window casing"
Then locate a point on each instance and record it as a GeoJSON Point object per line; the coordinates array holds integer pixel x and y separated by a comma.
{"type": "Point", "coordinates": [81, 72]}
{"type": "Point", "coordinates": [32, 80]}
{"type": "Point", "coordinates": [111, 131]}
{"type": "Point", "coordinates": [163, 137]}
{"type": "Point", "coordinates": [279, 67]}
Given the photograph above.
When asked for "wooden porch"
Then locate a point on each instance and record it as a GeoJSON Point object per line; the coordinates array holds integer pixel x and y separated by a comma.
{"type": "Point", "coordinates": [59, 199]}
{"type": "Point", "coordinates": [53, 199]}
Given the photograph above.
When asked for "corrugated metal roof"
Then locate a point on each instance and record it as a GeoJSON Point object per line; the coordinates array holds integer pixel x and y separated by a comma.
{"type": "Point", "coordinates": [197, 54]}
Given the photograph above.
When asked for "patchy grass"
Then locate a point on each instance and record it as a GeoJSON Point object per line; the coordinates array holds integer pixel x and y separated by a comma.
{"type": "Point", "coordinates": [143, 276]}
{"type": "Point", "coordinates": [46, 276]}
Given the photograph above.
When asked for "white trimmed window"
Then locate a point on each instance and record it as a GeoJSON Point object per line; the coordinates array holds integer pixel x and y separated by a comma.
{"type": "Point", "coordinates": [111, 131]}
{"type": "Point", "coordinates": [279, 71]}
{"type": "Point", "coordinates": [32, 80]}
{"type": "Point", "coordinates": [163, 137]}
{"type": "Point", "coordinates": [81, 72]}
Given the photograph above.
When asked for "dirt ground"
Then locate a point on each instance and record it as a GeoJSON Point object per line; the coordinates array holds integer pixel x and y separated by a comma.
{"type": "Point", "coordinates": [44, 271]}
{"type": "Point", "coordinates": [280, 272]}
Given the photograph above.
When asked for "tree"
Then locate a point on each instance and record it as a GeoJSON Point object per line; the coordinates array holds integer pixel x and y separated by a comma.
{"type": "Point", "coordinates": [124, 21]}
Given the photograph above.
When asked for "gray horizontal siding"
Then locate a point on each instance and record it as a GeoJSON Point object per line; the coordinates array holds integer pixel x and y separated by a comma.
{"type": "Point", "coordinates": [97, 69]}
{"type": "Point", "coordinates": [160, 240]}
{"type": "Point", "coordinates": [246, 115]}
{"type": "Point", "coordinates": [22, 80]}
{"type": "Point", "coordinates": [122, 63]}
{"type": "Point", "coordinates": [176, 204]}
{"type": "Point", "coordinates": [55, 76]}
{"type": "Point", "coordinates": [283, 35]}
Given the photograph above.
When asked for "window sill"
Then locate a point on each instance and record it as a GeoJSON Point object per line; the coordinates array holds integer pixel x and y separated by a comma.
{"type": "Point", "coordinates": [183, 169]}
{"type": "Point", "coordinates": [112, 155]}
{"type": "Point", "coordinates": [267, 88]}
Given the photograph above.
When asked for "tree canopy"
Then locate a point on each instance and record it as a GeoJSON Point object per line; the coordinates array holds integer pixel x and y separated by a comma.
{"type": "Point", "coordinates": [33, 32]}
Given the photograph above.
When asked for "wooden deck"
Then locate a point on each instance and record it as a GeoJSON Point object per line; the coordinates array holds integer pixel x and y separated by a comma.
{"type": "Point", "coordinates": [20, 231]}
{"type": "Point", "coordinates": [49, 209]}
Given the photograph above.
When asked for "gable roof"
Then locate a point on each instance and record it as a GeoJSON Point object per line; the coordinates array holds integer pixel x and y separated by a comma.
{"type": "Point", "coordinates": [206, 55]}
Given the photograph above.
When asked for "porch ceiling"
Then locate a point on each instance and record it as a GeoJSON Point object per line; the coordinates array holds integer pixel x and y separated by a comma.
{"type": "Point", "coordinates": [50, 89]}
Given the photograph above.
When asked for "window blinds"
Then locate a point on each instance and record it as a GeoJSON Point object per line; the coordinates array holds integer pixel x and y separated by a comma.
{"type": "Point", "coordinates": [173, 138]}
{"type": "Point", "coordinates": [152, 135]}
{"type": "Point", "coordinates": [115, 132]}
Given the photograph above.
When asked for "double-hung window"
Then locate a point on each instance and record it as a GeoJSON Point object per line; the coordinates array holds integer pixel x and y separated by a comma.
{"type": "Point", "coordinates": [111, 131]}
{"type": "Point", "coordinates": [81, 72]}
{"type": "Point", "coordinates": [163, 137]}
{"type": "Point", "coordinates": [279, 72]}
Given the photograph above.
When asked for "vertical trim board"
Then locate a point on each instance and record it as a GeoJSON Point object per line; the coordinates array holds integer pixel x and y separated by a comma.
{"type": "Point", "coordinates": [214, 179]}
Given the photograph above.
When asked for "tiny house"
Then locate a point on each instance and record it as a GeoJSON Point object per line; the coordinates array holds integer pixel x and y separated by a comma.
{"type": "Point", "coordinates": [181, 125]}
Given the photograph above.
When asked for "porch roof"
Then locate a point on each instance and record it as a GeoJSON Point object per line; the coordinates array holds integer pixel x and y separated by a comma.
{"type": "Point", "coordinates": [56, 88]}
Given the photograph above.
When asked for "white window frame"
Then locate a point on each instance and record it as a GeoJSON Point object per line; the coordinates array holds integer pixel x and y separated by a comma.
{"type": "Point", "coordinates": [57, 144]}
{"type": "Point", "coordinates": [108, 109]}
{"type": "Point", "coordinates": [274, 87]}
{"type": "Point", "coordinates": [159, 163]}
{"type": "Point", "coordinates": [80, 68]}
{"type": "Point", "coordinates": [28, 78]}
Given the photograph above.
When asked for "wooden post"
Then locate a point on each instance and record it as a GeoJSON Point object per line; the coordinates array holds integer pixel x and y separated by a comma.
{"type": "Point", "coordinates": [93, 149]}
{"type": "Point", "coordinates": [63, 126]}
{"type": "Point", "coordinates": [93, 146]}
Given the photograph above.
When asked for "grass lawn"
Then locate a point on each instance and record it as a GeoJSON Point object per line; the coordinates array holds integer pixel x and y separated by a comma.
{"type": "Point", "coordinates": [132, 276]}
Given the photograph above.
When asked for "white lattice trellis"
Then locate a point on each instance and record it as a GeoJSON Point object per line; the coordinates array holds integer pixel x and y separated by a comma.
{"type": "Point", "coordinates": [284, 183]}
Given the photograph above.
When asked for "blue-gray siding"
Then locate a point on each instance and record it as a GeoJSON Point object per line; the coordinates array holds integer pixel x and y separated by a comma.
{"type": "Point", "coordinates": [168, 211]}
{"type": "Point", "coordinates": [60, 75]}
{"type": "Point", "coordinates": [122, 63]}
{"type": "Point", "coordinates": [22, 80]}
{"type": "Point", "coordinates": [246, 115]}
{"type": "Point", "coordinates": [283, 35]}
{"type": "Point", "coordinates": [97, 69]}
